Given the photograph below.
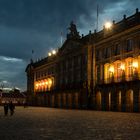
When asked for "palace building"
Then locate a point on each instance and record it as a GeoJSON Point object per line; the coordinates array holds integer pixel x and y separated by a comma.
{"type": "Point", "coordinates": [99, 71]}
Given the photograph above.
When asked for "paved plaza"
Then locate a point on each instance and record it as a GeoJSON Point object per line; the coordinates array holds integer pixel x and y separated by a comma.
{"type": "Point", "coordinates": [59, 124]}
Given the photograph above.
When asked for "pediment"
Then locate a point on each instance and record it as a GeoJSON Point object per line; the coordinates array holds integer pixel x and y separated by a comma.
{"type": "Point", "coordinates": [69, 46]}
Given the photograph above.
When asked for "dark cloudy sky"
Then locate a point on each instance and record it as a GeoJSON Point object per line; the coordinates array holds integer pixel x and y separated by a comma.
{"type": "Point", "coordinates": [27, 25]}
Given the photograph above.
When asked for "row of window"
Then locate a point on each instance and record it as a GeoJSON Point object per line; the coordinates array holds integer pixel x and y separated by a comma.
{"type": "Point", "coordinates": [43, 73]}
{"type": "Point", "coordinates": [72, 63]}
{"type": "Point", "coordinates": [68, 79]}
{"type": "Point", "coordinates": [115, 50]}
{"type": "Point", "coordinates": [127, 69]}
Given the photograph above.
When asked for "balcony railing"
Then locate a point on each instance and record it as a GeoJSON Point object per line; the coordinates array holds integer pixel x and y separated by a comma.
{"type": "Point", "coordinates": [118, 79]}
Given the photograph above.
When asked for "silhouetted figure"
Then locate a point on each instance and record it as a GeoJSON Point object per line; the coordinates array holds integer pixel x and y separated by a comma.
{"type": "Point", "coordinates": [5, 109]}
{"type": "Point", "coordinates": [11, 107]}
{"type": "Point", "coordinates": [25, 104]}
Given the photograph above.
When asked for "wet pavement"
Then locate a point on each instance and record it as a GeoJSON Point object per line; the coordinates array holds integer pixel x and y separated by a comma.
{"type": "Point", "coordinates": [59, 124]}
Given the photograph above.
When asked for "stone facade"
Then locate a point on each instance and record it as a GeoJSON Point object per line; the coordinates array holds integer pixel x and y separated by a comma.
{"type": "Point", "coordinates": [100, 70]}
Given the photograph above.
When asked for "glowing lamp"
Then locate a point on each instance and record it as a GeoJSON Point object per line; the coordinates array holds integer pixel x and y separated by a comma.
{"type": "Point", "coordinates": [50, 82]}
{"type": "Point", "coordinates": [108, 25]}
{"type": "Point", "coordinates": [122, 67]}
{"type": "Point", "coordinates": [111, 69]}
{"type": "Point", "coordinates": [49, 54]}
{"type": "Point", "coordinates": [53, 52]}
{"type": "Point", "coordinates": [135, 64]}
{"type": "Point", "coordinates": [46, 83]}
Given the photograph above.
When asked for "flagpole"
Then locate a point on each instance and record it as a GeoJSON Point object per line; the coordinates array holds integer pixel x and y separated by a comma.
{"type": "Point", "coordinates": [97, 17]}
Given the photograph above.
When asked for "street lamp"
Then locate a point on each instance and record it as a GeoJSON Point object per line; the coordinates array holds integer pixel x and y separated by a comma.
{"type": "Point", "coordinates": [53, 52]}
{"type": "Point", "coordinates": [108, 25]}
{"type": "Point", "coordinates": [135, 64]}
{"type": "Point", "coordinates": [49, 54]}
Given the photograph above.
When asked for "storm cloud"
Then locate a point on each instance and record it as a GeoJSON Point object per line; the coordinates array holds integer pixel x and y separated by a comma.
{"type": "Point", "coordinates": [27, 25]}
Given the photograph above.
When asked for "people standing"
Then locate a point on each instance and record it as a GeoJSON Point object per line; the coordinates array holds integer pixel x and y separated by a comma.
{"type": "Point", "coordinates": [6, 108]}
{"type": "Point", "coordinates": [11, 107]}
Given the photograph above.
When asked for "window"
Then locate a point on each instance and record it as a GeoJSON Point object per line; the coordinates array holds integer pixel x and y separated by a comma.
{"type": "Point", "coordinates": [119, 70]}
{"type": "Point", "coordinates": [129, 45]}
{"type": "Point", "coordinates": [106, 72]}
{"type": "Point", "coordinates": [106, 52]}
{"type": "Point", "coordinates": [117, 49]}
{"type": "Point", "coordinates": [98, 73]}
{"type": "Point", "coordinates": [130, 69]}
{"type": "Point", "coordinates": [79, 60]}
{"type": "Point", "coordinates": [97, 55]}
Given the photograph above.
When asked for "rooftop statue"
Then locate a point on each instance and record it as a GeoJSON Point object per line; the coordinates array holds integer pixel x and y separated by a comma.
{"type": "Point", "coordinates": [73, 31]}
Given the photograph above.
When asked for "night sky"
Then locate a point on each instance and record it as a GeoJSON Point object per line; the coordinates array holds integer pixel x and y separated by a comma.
{"type": "Point", "coordinates": [27, 25]}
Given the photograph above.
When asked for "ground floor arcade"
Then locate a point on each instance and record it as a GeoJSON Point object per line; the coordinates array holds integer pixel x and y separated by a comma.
{"type": "Point", "coordinates": [123, 97]}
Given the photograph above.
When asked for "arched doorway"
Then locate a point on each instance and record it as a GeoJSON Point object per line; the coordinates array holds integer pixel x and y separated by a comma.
{"type": "Point", "coordinates": [139, 101]}
{"type": "Point", "coordinates": [64, 100]}
{"type": "Point", "coordinates": [59, 100]}
{"type": "Point", "coordinates": [69, 100]}
{"type": "Point", "coordinates": [53, 101]}
{"type": "Point", "coordinates": [76, 100]}
{"type": "Point", "coordinates": [129, 100]}
{"type": "Point", "coordinates": [109, 101]}
{"type": "Point", "coordinates": [119, 102]}
{"type": "Point", "coordinates": [98, 101]}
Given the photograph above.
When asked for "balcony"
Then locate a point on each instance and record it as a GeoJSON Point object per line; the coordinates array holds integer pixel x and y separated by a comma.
{"type": "Point", "coordinates": [123, 78]}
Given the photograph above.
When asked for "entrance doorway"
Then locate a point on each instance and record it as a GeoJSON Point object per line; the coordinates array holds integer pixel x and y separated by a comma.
{"type": "Point", "coordinates": [129, 100]}
{"type": "Point", "coordinates": [98, 101]}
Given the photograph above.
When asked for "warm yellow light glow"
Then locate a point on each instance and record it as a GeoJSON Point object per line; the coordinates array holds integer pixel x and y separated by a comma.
{"type": "Point", "coordinates": [108, 25]}
{"type": "Point", "coordinates": [122, 67]}
{"type": "Point", "coordinates": [135, 64]}
{"type": "Point", "coordinates": [44, 84]}
{"type": "Point", "coordinates": [49, 54]}
{"type": "Point", "coordinates": [53, 51]}
{"type": "Point", "coordinates": [111, 69]}
{"type": "Point", "coordinates": [50, 82]}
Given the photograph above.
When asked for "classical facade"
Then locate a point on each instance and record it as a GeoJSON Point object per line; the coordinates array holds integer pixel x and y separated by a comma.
{"type": "Point", "coordinates": [99, 71]}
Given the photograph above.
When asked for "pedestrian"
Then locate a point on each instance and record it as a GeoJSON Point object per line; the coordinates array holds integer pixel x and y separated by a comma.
{"type": "Point", "coordinates": [5, 108]}
{"type": "Point", "coordinates": [11, 107]}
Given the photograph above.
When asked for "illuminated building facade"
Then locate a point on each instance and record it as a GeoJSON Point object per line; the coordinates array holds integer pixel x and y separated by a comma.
{"type": "Point", "coordinates": [100, 70]}
{"type": "Point", "coordinates": [60, 79]}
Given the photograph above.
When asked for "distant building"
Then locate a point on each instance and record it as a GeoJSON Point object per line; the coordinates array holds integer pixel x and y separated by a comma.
{"type": "Point", "coordinates": [15, 96]}
{"type": "Point", "coordinates": [99, 71]}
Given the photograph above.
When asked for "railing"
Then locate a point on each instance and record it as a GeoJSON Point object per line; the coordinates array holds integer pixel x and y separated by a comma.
{"type": "Point", "coordinates": [118, 79]}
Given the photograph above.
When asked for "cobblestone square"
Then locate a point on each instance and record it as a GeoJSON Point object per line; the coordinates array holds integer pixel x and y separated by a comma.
{"type": "Point", "coordinates": [36, 123]}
